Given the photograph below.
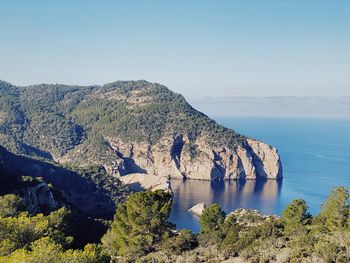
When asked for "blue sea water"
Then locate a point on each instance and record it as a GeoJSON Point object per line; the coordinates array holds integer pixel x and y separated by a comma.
{"type": "Point", "coordinates": [315, 157]}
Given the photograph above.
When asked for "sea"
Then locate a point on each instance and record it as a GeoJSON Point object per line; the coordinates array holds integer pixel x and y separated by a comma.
{"type": "Point", "coordinates": [315, 156]}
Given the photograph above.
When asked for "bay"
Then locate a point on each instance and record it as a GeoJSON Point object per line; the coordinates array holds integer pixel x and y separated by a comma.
{"type": "Point", "coordinates": [315, 157]}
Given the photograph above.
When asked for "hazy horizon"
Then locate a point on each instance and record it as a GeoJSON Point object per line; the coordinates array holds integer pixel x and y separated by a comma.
{"type": "Point", "coordinates": [275, 107]}
{"type": "Point", "coordinates": [196, 48]}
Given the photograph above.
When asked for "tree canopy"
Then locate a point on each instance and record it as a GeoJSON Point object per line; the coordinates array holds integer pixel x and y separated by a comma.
{"type": "Point", "coordinates": [295, 217]}
{"type": "Point", "coordinates": [139, 224]}
{"type": "Point", "coordinates": [335, 210]}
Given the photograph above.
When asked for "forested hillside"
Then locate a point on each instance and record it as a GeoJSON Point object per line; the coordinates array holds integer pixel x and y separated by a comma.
{"type": "Point", "coordinates": [48, 121]}
{"type": "Point", "coordinates": [90, 191]}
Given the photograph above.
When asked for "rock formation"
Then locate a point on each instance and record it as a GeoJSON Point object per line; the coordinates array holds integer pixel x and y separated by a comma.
{"type": "Point", "coordinates": [197, 209]}
{"type": "Point", "coordinates": [38, 198]}
{"type": "Point", "coordinates": [171, 158]}
{"type": "Point", "coordinates": [139, 181]}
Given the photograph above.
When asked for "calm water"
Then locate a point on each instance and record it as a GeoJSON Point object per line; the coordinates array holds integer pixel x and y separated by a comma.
{"type": "Point", "coordinates": [315, 157]}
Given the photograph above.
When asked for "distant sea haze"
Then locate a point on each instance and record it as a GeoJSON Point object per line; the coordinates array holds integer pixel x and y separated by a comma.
{"type": "Point", "coordinates": [283, 106]}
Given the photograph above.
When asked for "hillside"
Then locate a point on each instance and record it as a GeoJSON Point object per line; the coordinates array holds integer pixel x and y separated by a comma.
{"type": "Point", "coordinates": [90, 192]}
{"type": "Point", "coordinates": [128, 127]}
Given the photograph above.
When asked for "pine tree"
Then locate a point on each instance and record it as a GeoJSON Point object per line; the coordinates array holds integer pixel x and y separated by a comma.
{"type": "Point", "coordinates": [335, 211]}
{"type": "Point", "coordinates": [212, 221]}
{"type": "Point", "coordinates": [295, 217]}
{"type": "Point", "coordinates": [212, 218]}
{"type": "Point", "coordinates": [139, 224]}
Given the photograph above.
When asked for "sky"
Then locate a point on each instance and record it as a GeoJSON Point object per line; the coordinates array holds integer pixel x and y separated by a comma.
{"type": "Point", "coordinates": [199, 48]}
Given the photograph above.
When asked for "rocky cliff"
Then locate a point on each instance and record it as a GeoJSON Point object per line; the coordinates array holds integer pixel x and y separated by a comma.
{"type": "Point", "coordinates": [171, 158]}
{"type": "Point", "coordinates": [141, 132]}
{"type": "Point", "coordinates": [38, 198]}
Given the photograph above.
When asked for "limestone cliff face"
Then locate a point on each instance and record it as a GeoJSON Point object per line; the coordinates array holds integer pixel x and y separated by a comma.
{"type": "Point", "coordinates": [265, 158]}
{"type": "Point", "coordinates": [150, 166]}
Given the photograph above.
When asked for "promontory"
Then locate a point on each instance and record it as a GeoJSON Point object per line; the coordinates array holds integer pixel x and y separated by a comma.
{"type": "Point", "coordinates": [140, 132]}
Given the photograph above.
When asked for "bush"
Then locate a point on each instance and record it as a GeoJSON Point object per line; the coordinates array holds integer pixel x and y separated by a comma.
{"type": "Point", "coordinates": [183, 241]}
{"type": "Point", "coordinates": [10, 205]}
{"type": "Point", "coordinates": [46, 250]}
{"type": "Point", "coordinates": [328, 251]}
{"type": "Point", "coordinates": [230, 240]}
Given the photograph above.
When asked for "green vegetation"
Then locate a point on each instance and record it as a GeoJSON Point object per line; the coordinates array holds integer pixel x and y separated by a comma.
{"type": "Point", "coordinates": [46, 250]}
{"type": "Point", "coordinates": [139, 225]}
{"type": "Point", "coordinates": [295, 237]}
{"type": "Point", "coordinates": [211, 222]}
{"type": "Point", "coordinates": [53, 120]}
{"type": "Point", "coordinates": [107, 184]}
{"type": "Point", "coordinates": [10, 205]}
{"type": "Point", "coordinates": [39, 238]}
{"type": "Point", "coordinates": [335, 211]}
{"type": "Point", "coordinates": [140, 232]}
{"type": "Point", "coordinates": [185, 240]}
{"type": "Point", "coordinates": [251, 237]}
{"type": "Point", "coordinates": [92, 184]}
{"type": "Point", "coordinates": [296, 218]}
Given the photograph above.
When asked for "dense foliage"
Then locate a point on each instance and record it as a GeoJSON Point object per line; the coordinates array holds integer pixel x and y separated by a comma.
{"type": "Point", "coordinates": [39, 238]}
{"type": "Point", "coordinates": [295, 237]}
{"type": "Point", "coordinates": [295, 218]}
{"type": "Point", "coordinates": [11, 205]}
{"type": "Point", "coordinates": [139, 225]}
{"type": "Point", "coordinates": [140, 232]}
{"type": "Point", "coordinates": [211, 222]}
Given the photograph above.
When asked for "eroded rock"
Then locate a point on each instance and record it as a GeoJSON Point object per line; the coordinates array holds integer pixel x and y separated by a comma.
{"type": "Point", "coordinates": [171, 158]}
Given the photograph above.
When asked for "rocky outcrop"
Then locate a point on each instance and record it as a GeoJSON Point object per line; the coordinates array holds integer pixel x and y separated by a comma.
{"type": "Point", "coordinates": [149, 166]}
{"type": "Point", "coordinates": [265, 158]}
{"type": "Point", "coordinates": [38, 198]}
{"type": "Point", "coordinates": [139, 181]}
{"type": "Point", "coordinates": [197, 209]}
{"type": "Point", "coordinates": [249, 217]}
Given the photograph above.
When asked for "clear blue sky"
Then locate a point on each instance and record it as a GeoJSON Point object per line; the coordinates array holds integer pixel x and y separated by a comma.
{"type": "Point", "coordinates": [198, 48]}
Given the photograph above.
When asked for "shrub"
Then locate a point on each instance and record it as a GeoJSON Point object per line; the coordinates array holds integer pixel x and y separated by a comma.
{"type": "Point", "coordinates": [10, 205]}
{"type": "Point", "coordinates": [183, 241]}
